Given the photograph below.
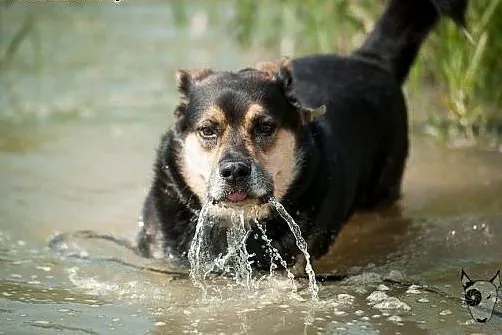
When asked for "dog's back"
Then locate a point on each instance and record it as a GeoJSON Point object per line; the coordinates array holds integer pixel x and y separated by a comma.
{"type": "Point", "coordinates": [366, 108]}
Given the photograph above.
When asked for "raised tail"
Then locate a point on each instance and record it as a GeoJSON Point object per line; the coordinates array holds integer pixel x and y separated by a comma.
{"type": "Point", "coordinates": [403, 27]}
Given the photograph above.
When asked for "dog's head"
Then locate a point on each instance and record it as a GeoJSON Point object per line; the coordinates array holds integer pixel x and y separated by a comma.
{"type": "Point", "coordinates": [480, 296]}
{"type": "Point", "coordinates": [240, 133]}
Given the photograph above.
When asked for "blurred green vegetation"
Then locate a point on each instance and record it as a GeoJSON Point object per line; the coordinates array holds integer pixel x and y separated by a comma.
{"type": "Point", "coordinates": [467, 71]}
{"type": "Point", "coordinates": [465, 75]}
{"type": "Point", "coordinates": [24, 31]}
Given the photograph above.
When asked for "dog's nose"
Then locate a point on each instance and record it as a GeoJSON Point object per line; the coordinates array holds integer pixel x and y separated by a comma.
{"type": "Point", "coordinates": [232, 171]}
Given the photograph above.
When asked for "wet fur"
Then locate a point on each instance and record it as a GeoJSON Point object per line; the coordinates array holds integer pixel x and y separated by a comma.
{"type": "Point", "coordinates": [322, 168]}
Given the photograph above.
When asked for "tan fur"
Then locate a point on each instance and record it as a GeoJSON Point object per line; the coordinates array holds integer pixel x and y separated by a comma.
{"type": "Point", "coordinates": [196, 165]}
{"type": "Point", "coordinates": [254, 111]}
{"type": "Point", "coordinates": [197, 161]}
{"type": "Point", "coordinates": [216, 114]}
{"type": "Point", "coordinates": [280, 161]}
{"type": "Point", "coordinates": [271, 69]}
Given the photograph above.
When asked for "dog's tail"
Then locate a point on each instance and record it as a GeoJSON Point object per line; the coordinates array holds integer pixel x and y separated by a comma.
{"type": "Point", "coordinates": [403, 27]}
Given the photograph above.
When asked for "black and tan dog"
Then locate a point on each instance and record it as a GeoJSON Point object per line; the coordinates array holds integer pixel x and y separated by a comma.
{"type": "Point", "coordinates": [242, 137]}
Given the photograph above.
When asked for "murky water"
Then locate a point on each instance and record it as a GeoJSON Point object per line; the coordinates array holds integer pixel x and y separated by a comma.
{"type": "Point", "coordinates": [77, 139]}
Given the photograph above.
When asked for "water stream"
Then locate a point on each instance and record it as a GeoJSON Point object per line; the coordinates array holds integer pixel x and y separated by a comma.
{"type": "Point", "coordinates": [275, 255]}
{"type": "Point", "coordinates": [198, 254]}
{"type": "Point", "coordinates": [300, 243]}
{"type": "Point", "coordinates": [237, 262]}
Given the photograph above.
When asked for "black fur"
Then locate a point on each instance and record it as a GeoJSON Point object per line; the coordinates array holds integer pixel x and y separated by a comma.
{"type": "Point", "coordinates": [353, 156]}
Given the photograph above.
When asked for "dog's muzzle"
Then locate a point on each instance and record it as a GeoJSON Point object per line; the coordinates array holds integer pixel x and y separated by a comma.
{"type": "Point", "coordinates": [236, 174]}
{"type": "Point", "coordinates": [239, 183]}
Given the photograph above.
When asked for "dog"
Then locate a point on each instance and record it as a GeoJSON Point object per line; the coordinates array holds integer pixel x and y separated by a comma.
{"type": "Point", "coordinates": [480, 296]}
{"type": "Point", "coordinates": [325, 135]}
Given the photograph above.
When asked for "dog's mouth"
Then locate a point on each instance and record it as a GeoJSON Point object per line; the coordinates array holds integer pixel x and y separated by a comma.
{"type": "Point", "coordinates": [252, 191]}
{"type": "Point", "coordinates": [236, 197]}
{"type": "Point", "coordinates": [240, 199]}
{"type": "Point", "coordinates": [251, 204]}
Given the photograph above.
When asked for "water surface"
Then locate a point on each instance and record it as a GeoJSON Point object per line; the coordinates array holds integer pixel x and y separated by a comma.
{"type": "Point", "coordinates": [81, 112]}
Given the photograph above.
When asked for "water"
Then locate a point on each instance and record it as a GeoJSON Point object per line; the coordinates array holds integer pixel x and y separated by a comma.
{"type": "Point", "coordinates": [275, 255]}
{"type": "Point", "coordinates": [301, 244]}
{"type": "Point", "coordinates": [236, 262]}
{"type": "Point", "coordinates": [241, 262]}
{"type": "Point", "coordinates": [236, 241]}
{"type": "Point", "coordinates": [199, 255]}
{"type": "Point", "coordinates": [76, 150]}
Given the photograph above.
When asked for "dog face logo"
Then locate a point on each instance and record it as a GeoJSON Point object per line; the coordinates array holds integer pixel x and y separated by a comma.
{"type": "Point", "coordinates": [481, 296]}
{"type": "Point", "coordinates": [239, 135]}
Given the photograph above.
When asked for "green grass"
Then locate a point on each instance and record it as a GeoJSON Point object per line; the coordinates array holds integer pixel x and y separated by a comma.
{"type": "Point", "coordinates": [464, 67]}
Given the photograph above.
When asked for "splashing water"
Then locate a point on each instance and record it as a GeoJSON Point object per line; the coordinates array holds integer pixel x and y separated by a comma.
{"type": "Point", "coordinates": [237, 253]}
{"type": "Point", "coordinates": [275, 255]}
{"type": "Point", "coordinates": [300, 243]}
{"type": "Point", "coordinates": [198, 254]}
{"type": "Point", "coordinates": [237, 259]}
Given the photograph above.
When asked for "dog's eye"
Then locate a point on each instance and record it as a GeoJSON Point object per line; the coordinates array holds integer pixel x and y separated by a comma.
{"type": "Point", "coordinates": [265, 128]}
{"type": "Point", "coordinates": [207, 132]}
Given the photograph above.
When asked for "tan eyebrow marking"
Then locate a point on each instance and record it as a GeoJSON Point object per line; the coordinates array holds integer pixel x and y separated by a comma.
{"type": "Point", "coordinates": [254, 111]}
{"type": "Point", "coordinates": [216, 114]}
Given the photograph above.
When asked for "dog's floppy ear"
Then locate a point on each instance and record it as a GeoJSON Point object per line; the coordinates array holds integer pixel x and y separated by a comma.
{"type": "Point", "coordinates": [466, 281]}
{"type": "Point", "coordinates": [185, 80]}
{"type": "Point", "coordinates": [496, 280]}
{"type": "Point", "coordinates": [278, 71]}
{"type": "Point", "coordinates": [282, 73]}
{"type": "Point", "coordinates": [285, 74]}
